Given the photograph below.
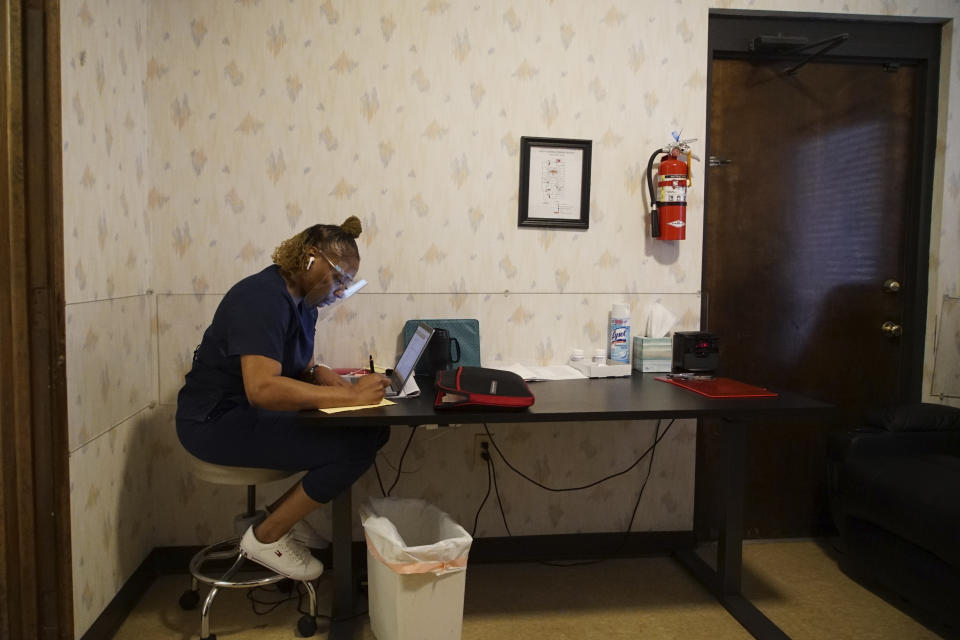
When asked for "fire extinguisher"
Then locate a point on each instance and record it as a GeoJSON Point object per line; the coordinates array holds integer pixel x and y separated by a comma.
{"type": "Point", "coordinates": [668, 213]}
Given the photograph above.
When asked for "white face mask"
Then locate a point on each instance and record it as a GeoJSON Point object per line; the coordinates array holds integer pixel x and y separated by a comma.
{"type": "Point", "coordinates": [316, 298]}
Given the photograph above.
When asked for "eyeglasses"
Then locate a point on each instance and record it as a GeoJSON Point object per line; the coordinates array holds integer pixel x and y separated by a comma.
{"type": "Point", "coordinates": [343, 279]}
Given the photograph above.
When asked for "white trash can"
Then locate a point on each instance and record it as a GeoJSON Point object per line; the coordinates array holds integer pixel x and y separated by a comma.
{"type": "Point", "coordinates": [416, 569]}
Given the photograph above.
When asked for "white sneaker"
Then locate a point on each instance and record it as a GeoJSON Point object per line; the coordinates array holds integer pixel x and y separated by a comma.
{"type": "Point", "coordinates": [286, 556]}
{"type": "Point", "coordinates": [303, 532]}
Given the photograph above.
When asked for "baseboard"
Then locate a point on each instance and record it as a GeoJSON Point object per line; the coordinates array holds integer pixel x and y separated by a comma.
{"type": "Point", "coordinates": [562, 547]}
{"type": "Point", "coordinates": [572, 546]}
{"type": "Point", "coordinates": [579, 546]}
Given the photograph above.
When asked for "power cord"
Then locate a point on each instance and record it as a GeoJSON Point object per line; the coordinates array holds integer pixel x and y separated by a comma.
{"type": "Point", "coordinates": [413, 430]}
{"type": "Point", "coordinates": [585, 486]}
{"type": "Point", "coordinates": [386, 460]}
{"type": "Point", "coordinates": [254, 596]}
{"type": "Point", "coordinates": [491, 471]}
{"type": "Point", "coordinates": [398, 468]}
{"type": "Point", "coordinates": [496, 489]}
{"type": "Point", "coordinates": [376, 469]}
{"type": "Point", "coordinates": [485, 454]}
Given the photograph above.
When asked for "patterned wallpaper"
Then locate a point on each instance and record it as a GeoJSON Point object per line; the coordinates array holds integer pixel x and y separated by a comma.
{"type": "Point", "coordinates": [197, 135]}
{"type": "Point", "coordinates": [112, 364]}
{"type": "Point", "coordinates": [265, 120]}
{"type": "Point", "coordinates": [108, 251]}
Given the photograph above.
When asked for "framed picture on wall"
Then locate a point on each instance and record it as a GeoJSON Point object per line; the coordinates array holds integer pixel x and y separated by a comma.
{"type": "Point", "coordinates": [554, 183]}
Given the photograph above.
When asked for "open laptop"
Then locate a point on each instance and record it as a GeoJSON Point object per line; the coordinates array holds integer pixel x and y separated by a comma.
{"type": "Point", "coordinates": [408, 359]}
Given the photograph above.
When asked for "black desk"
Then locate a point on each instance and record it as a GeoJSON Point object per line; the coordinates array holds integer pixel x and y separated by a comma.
{"type": "Point", "coordinates": [639, 397]}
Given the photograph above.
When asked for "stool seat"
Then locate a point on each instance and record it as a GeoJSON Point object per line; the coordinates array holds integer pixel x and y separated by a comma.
{"type": "Point", "coordinates": [225, 474]}
{"type": "Point", "coordinates": [229, 549]}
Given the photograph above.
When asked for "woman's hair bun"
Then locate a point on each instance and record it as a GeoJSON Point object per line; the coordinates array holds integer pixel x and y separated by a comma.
{"type": "Point", "coordinates": [352, 226]}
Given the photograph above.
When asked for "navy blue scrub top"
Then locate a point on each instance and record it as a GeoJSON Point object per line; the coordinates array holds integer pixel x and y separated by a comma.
{"type": "Point", "coordinates": [259, 317]}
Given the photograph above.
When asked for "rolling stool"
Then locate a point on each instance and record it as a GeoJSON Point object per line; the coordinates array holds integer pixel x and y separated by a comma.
{"type": "Point", "coordinates": [230, 548]}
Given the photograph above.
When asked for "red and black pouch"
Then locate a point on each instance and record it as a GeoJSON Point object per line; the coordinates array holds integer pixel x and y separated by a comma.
{"type": "Point", "coordinates": [481, 388]}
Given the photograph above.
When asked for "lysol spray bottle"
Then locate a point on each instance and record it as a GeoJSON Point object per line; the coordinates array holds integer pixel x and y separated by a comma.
{"type": "Point", "coordinates": [620, 333]}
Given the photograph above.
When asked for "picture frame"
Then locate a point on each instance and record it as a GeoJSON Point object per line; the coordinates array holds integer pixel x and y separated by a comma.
{"type": "Point", "coordinates": [554, 183]}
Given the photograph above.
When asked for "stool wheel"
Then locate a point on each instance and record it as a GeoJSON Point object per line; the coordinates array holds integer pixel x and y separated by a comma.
{"type": "Point", "coordinates": [189, 600]}
{"type": "Point", "coordinates": [307, 626]}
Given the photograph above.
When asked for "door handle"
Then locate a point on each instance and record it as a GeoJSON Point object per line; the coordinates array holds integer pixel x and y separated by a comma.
{"type": "Point", "coordinates": [891, 329]}
{"type": "Point", "coordinates": [891, 286]}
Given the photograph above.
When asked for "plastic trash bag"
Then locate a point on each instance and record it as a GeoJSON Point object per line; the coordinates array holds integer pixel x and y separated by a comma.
{"type": "Point", "coordinates": [411, 536]}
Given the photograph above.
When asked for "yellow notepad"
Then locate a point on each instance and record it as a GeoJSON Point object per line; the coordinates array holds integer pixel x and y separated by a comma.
{"type": "Point", "coordinates": [383, 403]}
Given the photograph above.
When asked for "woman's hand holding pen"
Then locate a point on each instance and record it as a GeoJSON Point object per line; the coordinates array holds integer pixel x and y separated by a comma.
{"type": "Point", "coordinates": [369, 389]}
{"type": "Point", "coordinates": [327, 376]}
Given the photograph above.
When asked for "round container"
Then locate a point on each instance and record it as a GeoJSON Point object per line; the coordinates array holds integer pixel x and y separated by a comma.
{"type": "Point", "coordinates": [600, 356]}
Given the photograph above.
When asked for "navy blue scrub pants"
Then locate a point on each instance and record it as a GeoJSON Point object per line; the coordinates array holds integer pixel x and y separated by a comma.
{"type": "Point", "coordinates": [333, 457]}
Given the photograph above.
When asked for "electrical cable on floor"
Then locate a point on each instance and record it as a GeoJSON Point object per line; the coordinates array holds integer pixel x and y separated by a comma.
{"type": "Point", "coordinates": [299, 594]}
{"type": "Point", "coordinates": [269, 604]}
{"type": "Point", "coordinates": [413, 430]}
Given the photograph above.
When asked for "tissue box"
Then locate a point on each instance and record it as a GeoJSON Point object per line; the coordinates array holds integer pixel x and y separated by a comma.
{"type": "Point", "coordinates": [652, 354]}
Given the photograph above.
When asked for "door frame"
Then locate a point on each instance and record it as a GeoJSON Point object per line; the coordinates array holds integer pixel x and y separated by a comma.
{"type": "Point", "coordinates": [36, 590]}
{"type": "Point", "coordinates": [875, 39]}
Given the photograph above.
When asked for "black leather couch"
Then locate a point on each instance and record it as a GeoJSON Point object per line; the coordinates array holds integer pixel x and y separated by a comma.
{"type": "Point", "coordinates": [894, 487]}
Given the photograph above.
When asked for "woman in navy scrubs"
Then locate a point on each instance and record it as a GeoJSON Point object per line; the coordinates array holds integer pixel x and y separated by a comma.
{"type": "Point", "coordinates": [254, 371]}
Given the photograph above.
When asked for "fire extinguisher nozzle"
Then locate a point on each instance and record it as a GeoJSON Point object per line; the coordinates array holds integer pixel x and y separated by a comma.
{"type": "Point", "coordinates": [654, 223]}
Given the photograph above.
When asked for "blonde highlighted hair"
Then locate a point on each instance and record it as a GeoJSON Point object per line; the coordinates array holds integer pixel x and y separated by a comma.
{"type": "Point", "coordinates": [335, 241]}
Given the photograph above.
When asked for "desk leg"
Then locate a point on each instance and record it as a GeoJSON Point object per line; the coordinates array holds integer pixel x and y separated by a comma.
{"type": "Point", "coordinates": [730, 545]}
{"type": "Point", "coordinates": [345, 575]}
{"type": "Point", "coordinates": [724, 582]}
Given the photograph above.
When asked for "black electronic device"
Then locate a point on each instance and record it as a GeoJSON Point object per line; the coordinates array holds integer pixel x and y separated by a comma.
{"type": "Point", "coordinates": [695, 352]}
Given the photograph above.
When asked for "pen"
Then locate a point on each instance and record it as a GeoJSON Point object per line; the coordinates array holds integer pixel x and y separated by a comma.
{"type": "Point", "coordinates": [371, 363]}
{"type": "Point", "coordinates": [690, 376]}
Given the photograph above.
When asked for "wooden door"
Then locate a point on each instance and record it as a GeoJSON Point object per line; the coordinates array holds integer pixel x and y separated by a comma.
{"type": "Point", "coordinates": [805, 224]}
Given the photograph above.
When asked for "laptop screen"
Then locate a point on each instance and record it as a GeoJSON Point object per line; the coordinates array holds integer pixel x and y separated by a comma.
{"type": "Point", "coordinates": [410, 357]}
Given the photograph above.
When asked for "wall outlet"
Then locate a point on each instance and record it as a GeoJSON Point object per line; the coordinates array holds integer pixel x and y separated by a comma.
{"type": "Point", "coordinates": [481, 444]}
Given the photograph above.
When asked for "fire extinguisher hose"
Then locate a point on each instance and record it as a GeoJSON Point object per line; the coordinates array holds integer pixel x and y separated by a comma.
{"type": "Point", "coordinates": [654, 214]}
